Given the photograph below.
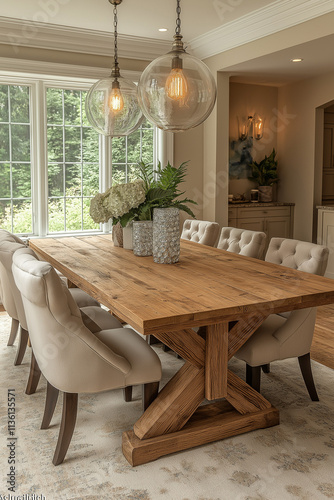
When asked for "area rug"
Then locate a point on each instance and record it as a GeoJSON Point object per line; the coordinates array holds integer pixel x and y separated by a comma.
{"type": "Point", "coordinates": [294, 460]}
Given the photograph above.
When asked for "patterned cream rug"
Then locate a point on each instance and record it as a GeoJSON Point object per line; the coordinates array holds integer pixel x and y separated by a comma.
{"type": "Point", "coordinates": [294, 460]}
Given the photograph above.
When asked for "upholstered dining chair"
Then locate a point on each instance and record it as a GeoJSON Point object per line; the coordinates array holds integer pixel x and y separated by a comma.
{"type": "Point", "coordinates": [200, 231]}
{"type": "Point", "coordinates": [71, 357]}
{"type": "Point", "coordinates": [289, 334]}
{"type": "Point", "coordinates": [11, 297]}
{"type": "Point", "coordinates": [242, 241]}
{"type": "Point", "coordinates": [12, 303]}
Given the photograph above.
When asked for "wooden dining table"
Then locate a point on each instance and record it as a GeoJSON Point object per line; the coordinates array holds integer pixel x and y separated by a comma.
{"type": "Point", "coordinates": [204, 308]}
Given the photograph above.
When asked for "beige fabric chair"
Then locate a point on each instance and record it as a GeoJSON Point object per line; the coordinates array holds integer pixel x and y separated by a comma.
{"type": "Point", "coordinates": [13, 305]}
{"type": "Point", "coordinates": [242, 241]}
{"type": "Point", "coordinates": [200, 231]}
{"type": "Point", "coordinates": [70, 356]}
{"type": "Point", "coordinates": [11, 298]}
{"type": "Point", "coordinates": [287, 335]}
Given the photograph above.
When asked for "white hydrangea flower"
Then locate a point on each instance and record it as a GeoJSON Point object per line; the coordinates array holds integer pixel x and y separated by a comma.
{"type": "Point", "coordinates": [97, 210]}
{"type": "Point", "coordinates": [117, 201]}
{"type": "Point", "coordinates": [123, 197]}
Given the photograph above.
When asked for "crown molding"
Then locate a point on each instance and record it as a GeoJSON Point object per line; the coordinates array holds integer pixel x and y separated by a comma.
{"type": "Point", "coordinates": [16, 32]}
{"type": "Point", "coordinates": [14, 68]}
{"type": "Point", "coordinates": [275, 17]}
{"type": "Point", "coordinates": [280, 15]}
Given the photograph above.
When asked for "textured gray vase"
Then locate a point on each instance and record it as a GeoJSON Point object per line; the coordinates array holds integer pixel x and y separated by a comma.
{"type": "Point", "coordinates": [142, 238]}
{"type": "Point", "coordinates": [166, 235]}
{"type": "Point", "coordinates": [265, 193]}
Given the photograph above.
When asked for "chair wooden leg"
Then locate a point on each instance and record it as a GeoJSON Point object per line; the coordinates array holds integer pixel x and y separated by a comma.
{"type": "Point", "coordinates": [34, 375]}
{"type": "Point", "coordinates": [21, 349]}
{"type": "Point", "coordinates": [50, 405]}
{"type": "Point", "coordinates": [253, 376]}
{"type": "Point", "coordinates": [150, 392]}
{"type": "Point", "coordinates": [68, 419]}
{"type": "Point", "coordinates": [266, 368]}
{"type": "Point", "coordinates": [305, 367]}
{"type": "Point", "coordinates": [151, 339]}
{"type": "Point", "coordinates": [127, 392]}
{"type": "Point", "coordinates": [13, 331]}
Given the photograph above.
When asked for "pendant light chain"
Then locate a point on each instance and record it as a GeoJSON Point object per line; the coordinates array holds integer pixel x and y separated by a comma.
{"type": "Point", "coordinates": [115, 40]}
{"type": "Point", "coordinates": [112, 106]}
{"type": "Point", "coordinates": [178, 19]}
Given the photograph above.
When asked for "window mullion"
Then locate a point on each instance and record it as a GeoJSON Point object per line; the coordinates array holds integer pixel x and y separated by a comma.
{"type": "Point", "coordinates": [10, 157]}
{"type": "Point", "coordinates": [64, 161]}
{"type": "Point", "coordinates": [105, 170]}
{"type": "Point", "coordinates": [39, 159]}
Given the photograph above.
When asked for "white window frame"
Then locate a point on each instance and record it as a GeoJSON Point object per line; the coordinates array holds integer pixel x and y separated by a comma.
{"type": "Point", "coordinates": [40, 76]}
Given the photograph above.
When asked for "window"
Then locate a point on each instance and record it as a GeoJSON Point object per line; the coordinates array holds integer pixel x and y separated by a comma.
{"type": "Point", "coordinates": [73, 161]}
{"type": "Point", "coordinates": [15, 159]}
{"type": "Point", "coordinates": [52, 162]}
{"type": "Point", "coordinates": [127, 150]}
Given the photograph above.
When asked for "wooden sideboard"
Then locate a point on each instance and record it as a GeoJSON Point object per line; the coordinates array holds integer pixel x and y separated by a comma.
{"type": "Point", "coordinates": [274, 219]}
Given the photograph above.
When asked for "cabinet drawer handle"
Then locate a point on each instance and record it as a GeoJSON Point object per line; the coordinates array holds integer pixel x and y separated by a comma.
{"type": "Point", "coordinates": [265, 211]}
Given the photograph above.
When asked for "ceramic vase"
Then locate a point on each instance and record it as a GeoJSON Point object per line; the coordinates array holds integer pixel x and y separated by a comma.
{"type": "Point", "coordinates": [127, 236]}
{"type": "Point", "coordinates": [265, 193]}
{"type": "Point", "coordinates": [117, 235]}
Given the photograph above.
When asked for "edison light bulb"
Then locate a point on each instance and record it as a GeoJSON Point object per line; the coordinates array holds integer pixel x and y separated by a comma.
{"type": "Point", "coordinates": [115, 100]}
{"type": "Point", "coordinates": [176, 84]}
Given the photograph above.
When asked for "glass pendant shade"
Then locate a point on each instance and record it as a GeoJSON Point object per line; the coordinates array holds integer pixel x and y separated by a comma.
{"type": "Point", "coordinates": [112, 107]}
{"type": "Point", "coordinates": [176, 91]}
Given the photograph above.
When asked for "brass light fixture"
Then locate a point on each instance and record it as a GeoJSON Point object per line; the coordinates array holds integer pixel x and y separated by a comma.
{"type": "Point", "coordinates": [250, 126]}
{"type": "Point", "coordinates": [112, 104]}
{"type": "Point", "coordinates": [177, 91]}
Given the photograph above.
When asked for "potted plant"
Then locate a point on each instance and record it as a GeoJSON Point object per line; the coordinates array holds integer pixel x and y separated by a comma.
{"type": "Point", "coordinates": [136, 201]}
{"type": "Point", "coordinates": [265, 174]}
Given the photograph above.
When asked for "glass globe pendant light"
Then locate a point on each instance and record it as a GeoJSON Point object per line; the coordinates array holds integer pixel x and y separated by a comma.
{"type": "Point", "coordinates": [177, 91]}
{"type": "Point", "coordinates": [112, 103]}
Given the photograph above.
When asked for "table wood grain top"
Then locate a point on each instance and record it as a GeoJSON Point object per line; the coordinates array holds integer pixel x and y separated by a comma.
{"type": "Point", "coordinates": [205, 287]}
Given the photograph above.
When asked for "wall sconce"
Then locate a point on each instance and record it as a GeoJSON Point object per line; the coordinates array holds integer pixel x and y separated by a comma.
{"type": "Point", "coordinates": [250, 126]}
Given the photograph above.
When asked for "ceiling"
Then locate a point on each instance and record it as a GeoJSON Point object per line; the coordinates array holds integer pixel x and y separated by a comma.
{"type": "Point", "coordinates": [278, 69]}
{"type": "Point", "coordinates": [136, 17]}
{"type": "Point", "coordinates": [199, 19]}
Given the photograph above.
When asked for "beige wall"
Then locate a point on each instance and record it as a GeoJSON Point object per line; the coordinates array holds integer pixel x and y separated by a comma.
{"type": "Point", "coordinates": [216, 155]}
{"type": "Point", "coordinates": [301, 163]}
{"type": "Point", "coordinates": [246, 100]}
{"type": "Point", "coordinates": [188, 146]}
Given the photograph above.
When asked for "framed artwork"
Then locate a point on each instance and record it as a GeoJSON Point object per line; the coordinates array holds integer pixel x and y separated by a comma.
{"type": "Point", "coordinates": [240, 159]}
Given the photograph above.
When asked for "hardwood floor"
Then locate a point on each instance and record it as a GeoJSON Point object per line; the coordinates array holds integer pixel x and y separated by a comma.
{"type": "Point", "coordinates": [323, 340]}
{"type": "Point", "coordinates": [322, 349]}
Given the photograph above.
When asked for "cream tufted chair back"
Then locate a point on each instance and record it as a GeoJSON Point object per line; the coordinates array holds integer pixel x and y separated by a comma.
{"type": "Point", "coordinates": [300, 255]}
{"type": "Point", "coordinates": [242, 241]}
{"type": "Point", "coordinates": [10, 295]}
{"type": "Point", "coordinates": [288, 334]}
{"type": "Point", "coordinates": [200, 231]}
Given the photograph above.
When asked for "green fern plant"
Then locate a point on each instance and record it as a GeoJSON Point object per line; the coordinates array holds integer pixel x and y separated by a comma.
{"type": "Point", "coordinates": [162, 191]}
